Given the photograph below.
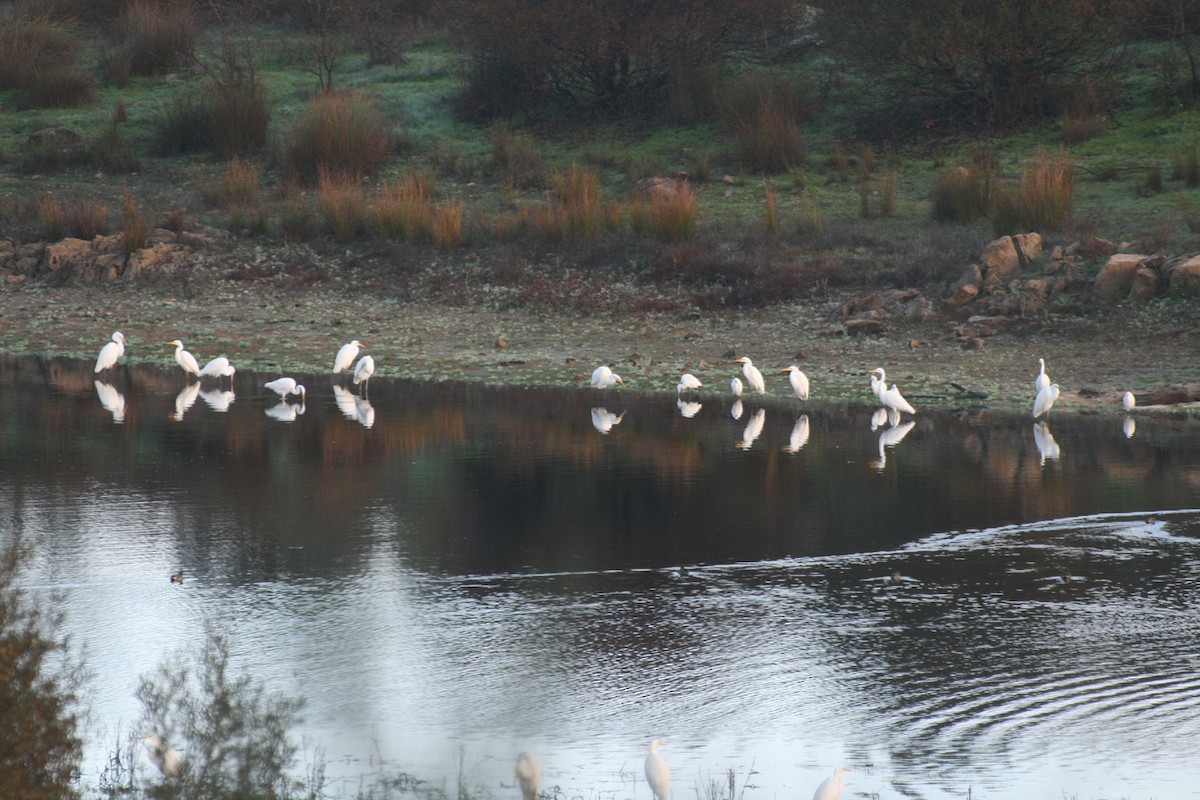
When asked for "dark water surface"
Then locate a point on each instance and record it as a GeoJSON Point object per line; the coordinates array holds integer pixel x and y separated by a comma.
{"type": "Point", "coordinates": [457, 572]}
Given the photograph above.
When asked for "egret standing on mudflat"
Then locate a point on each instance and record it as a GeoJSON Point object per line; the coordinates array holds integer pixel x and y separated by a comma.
{"type": "Point", "coordinates": [687, 383]}
{"type": "Point", "coordinates": [735, 386]}
{"type": "Point", "coordinates": [345, 356]}
{"type": "Point", "coordinates": [111, 352]}
{"type": "Point", "coordinates": [1045, 400]}
{"type": "Point", "coordinates": [831, 787]}
{"type": "Point", "coordinates": [185, 360]}
{"type": "Point", "coordinates": [363, 371]}
{"type": "Point", "coordinates": [891, 398]}
{"type": "Point", "coordinates": [798, 380]}
{"type": "Point", "coordinates": [169, 762]}
{"type": "Point", "coordinates": [878, 383]}
{"type": "Point", "coordinates": [285, 386]}
{"type": "Point", "coordinates": [1042, 380]}
{"type": "Point", "coordinates": [1128, 402]}
{"type": "Point", "coordinates": [529, 775]}
{"type": "Point", "coordinates": [753, 377]}
{"type": "Point", "coordinates": [603, 377]}
{"type": "Point", "coordinates": [219, 367]}
{"type": "Point", "coordinates": [658, 774]}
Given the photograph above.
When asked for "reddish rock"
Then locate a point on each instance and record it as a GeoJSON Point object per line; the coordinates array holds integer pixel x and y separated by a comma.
{"type": "Point", "coordinates": [71, 254]}
{"type": "Point", "coordinates": [1146, 283]}
{"type": "Point", "coordinates": [1115, 278]}
{"type": "Point", "coordinates": [1185, 277]}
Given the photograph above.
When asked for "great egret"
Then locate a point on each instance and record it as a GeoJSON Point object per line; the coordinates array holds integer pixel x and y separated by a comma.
{"type": "Point", "coordinates": [363, 371]}
{"type": "Point", "coordinates": [185, 360]}
{"type": "Point", "coordinates": [831, 787]}
{"type": "Point", "coordinates": [1045, 400]}
{"type": "Point", "coordinates": [688, 408]}
{"type": "Point", "coordinates": [798, 380]}
{"type": "Point", "coordinates": [736, 409]}
{"type": "Point", "coordinates": [754, 378]}
{"type": "Point", "coordinates": [285, 386]}
{"type": "Point", "coordinates": [891, 398]}
{"type": "Point", "coordinates": [799, 436]}
{"type": "Point", "coordinates": [169, 762]}
{"type": "Point", "coordinates": [658, 774]}
{"type": "Point", "coordinates": [1042, 380]}
{"type": "Point", "coordinates": [346, 355]}
{"type": "Point", "coordinates": [110, 352]}
{"type": "Point", "coordinates": [1044, 440]}
{"type": "Point", "coordinates": [735, 386]}
{"type": "Point", "coordinates": [603, 377]}
{"type": "Point", "coordinates": [687, 383]}
{"type": "Point", "coordinates": [112, 400]}
{"type": "Point", "coordinates": [753, 429]}
{"type": "Point", "coordinates": [603, 420]}
{"type": "Point", "coordinates": [1128, 402]}
{"type": "Point", "coordinates": [878, 383]}
{"type": "Point", "coordinates": [529, 775]}
{"type": "Point", "coordinates": [285, 411]}
{"type": "Point", "coordinates": [185, 400]}
{"type": "Point", "coordinates": [219, 367]}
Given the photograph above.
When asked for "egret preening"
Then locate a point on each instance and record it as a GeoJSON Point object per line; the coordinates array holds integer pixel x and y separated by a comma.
{"type": "Point", "coordinates": [363, 371]}
{"type": "Point", "coordinates": [658, 774]}
{"type": "Point", "coordinates": [169, 762]}
{"type": "Point", "coordinates": [111, 351]}
{"type": "Point", "coordinates": [1045, 400]}
{"type": "Point", "coordinates": [185, 360]}
{"type": "Point", "coordinates": [831, 787]}
{"type": "Point", "coordinates": [798, 380]}
{"type": "Point", "coordinates": [285, 386]}
{"type": "Point", "coordinates": [529, 775]}
{"type": "Point", "coordinates": [603, 377]}
{"type": "Point", "coordinates": [219, 367]}
{"type": "Point", "coordinates": [1042, 380]}
{"type": "Point", "coordinates": [345, 356]}
{"type": "Point", "coordinates": [754, 378]}
{"type": "Point", "coordinates": [735, 386]}
{"type": "Point", "coordinates": [687, 383]}
{"type": "Point", "coordinates": [1128, 402]}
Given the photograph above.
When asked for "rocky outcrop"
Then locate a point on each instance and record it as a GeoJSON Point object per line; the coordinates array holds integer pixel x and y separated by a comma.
{"type": "Point", "coordinates": [1115, 278]}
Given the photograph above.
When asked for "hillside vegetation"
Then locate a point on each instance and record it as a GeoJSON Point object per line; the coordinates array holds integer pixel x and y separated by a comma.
{"type": "Point", "coordinates": [745, 153]}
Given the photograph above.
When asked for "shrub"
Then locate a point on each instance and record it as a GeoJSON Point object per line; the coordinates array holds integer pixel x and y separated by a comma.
{"type": "Point", "coordinates": [87, 218]}
{"type": "Point", "coordinates": [183, 124]}
{"type": "Point", "coordinates": [1185, 165]}
{"type": "Point", "coordinates": [402, 209]}
{"type": "Point", "coordinates": [517, 159]}
{"type": "Point", "coordinates": [157, 36]}
{"type": "Point", "coordinates": [241, 182]}
{"type": "Point", "coordinates": [39, 59]}
{"type": "Point", "coordinates": [52, 214]}
{"type": "Point", "coordinates": [343, 206]}
{"type": "Point", "coordinates": [769, 141]}
{"type": "Point", "coordinates": [295, 220]}
{"type": "Point", "coordinates": [668, 216]}
{"type": "Point", "coordinates": [340, 133]}
{"type": "Point", "coordinates": [961, 195]}
{"type": "Point", "coordinates": [112, 152]}
{"type": "Point", "coordinates": [133, 225]}
{"type": "Point", "coordinates": [239, 111]}
{"type": "Point", "coordinates": [1047, 192]}
{"type": "Point", "coordinates": [578, 193]}
{"type": "Point", "coordinates": [447, 224]}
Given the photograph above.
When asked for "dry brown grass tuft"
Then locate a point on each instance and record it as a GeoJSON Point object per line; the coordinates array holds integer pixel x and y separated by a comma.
{"type": "Point", "coordinates": [343, 205]}
{"type": "Point", "coordinates": [340, 133]}
{"type": "Point", "coordinates": [667, 216]}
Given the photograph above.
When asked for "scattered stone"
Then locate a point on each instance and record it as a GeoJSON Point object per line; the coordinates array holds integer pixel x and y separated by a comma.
{"type": "Point", "coordinates": [1115, 278]}
{"type": "Point", "coordinates": [500, 342]}
{"type": "Point", "coordinates": [1184, 277]}
{"type": "Point", "coordinates": [1146, 284]}
{"type": "Point", "coordinates": [974, 344]}
{"type": "Point", "coordinates": [864, 327]}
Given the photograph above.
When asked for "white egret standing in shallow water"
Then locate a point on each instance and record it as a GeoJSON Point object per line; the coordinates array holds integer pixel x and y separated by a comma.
{"type": "Point", "coordinates": [111, 351]}
{"type": "Point", "coordinates": [831, 787]}
{"type": "Point", "coordinates": [529, 775]}
{"type": "Point", "coordinates": [754, 378]}
{"type": "Point", "coordinates": [658, 774]}
{"type": "Point", "coordinates": [603, 377]}
{"type": "Point", "coordinates": [219, 367]}
{"type": "Point", "coordinates": [1042, 380]}
{"type": "Point", "coordinates": [687, 383]}
{"type": "Point", "coordinates": [1128, 402]}
{"type": "Point", "coordinates": [185, 360]}
{"type": "Point", "coordinates": [169, 762]}
{"type": "Point", "coordinates": [798, 380]}
{"type": "Point", "coordinates": [1045, 400]}
{"type": "Point", "coordinates": [285, 386]}
{"type": "Point", "coordinates": [346, 355]}
{"type": "Point", "coordinates": [363, 371]}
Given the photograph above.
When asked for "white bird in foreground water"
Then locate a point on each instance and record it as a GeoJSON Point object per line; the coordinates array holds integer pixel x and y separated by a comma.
{"type": "Point", "coordinates": [219, 367]}
{"type": "Point", "coordinates": [169, 762]}
{"type": "Point", "coordinates": [735, 386]}
{"type": "Point", "coordinates": [687, 382]}
{"type": "Point", "coordinates": [111, 352]}
{"type": "Point", "coordinates": [753, 377]}
{"type": "Point", "coordinates": [185, 360]}
{"type": "Point", "coordinates": [1045, 400]}
{"type": "Point", "coordinates": [1128, 402]}
{"type": "Point", "coordinates": [363, 371]}
{"type": "Point", "coordinates": [603, 377]}
{"type": "Point", "coordinates": [285, 386]}
{"type": "Point", "coordinates": [798, 380]}
{"type": "Point", "coordinates": [1042, 380]}
{"type": "Point", "coordinates": [346, 355]}
{"type": "Point", "coordinates": [831, 787]}
{"type": "Point", "coordinates": [529, 775]}
{"type": "Point", "coordinates": [658, 774]}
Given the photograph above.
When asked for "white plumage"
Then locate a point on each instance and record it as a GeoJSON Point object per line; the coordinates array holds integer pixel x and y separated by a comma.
{"type": "Point", "coordinates": [754, 378]}
{"type": "Point", "coordinates": [603, 377]}
{"type": "Point", "coordinates": [1042, 380]}
{"type": "Point", "coordinates": [1045, 400]}
{"type": "Point", "coordinates": [1128, 402]}
{"type": "Point", "coordinates": [735, 386]}
{"type": "Point", "coordinates": [687, 383]}
{"type": "Point", "coordinates": [168, 761]}
{"type": "Point", "coordinates": [111, 352]}
{"type": "Point", "coordinates": [285, 386]}
{"type": "Point", "coordinates": [219, 367]}
{"type": "Point", "coordinates": [658, 774]}
{"type": "Point", "coordinates": [185, 360]}
{"type": "Point", "coordinates": [346, 355]}
{"type": "Point", "coordinates": [831, 787]}
{"type": "Point", "coordinates": [529, 775]}
{"type": "Point", "coordinates": [798, 380]}
{"type": "Point", "coordinates": [363, 370]}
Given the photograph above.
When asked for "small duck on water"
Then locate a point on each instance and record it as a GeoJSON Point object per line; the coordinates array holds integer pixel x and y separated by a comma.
{"type": "Point", "coordinates": [177, 577]}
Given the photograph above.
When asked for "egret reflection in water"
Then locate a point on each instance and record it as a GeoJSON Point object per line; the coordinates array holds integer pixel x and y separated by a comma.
{"type": "Point", "coordinates": [879, 418]}
{"type": "Point", "coordinates": [112, 400]}
{"type": "Point", "coordinates": [799, 436]}
{"type": "Point", "coordinates": [364, 412]}
{"type": "Point", "coordinates": [285, 411]}
{"type": "Point", "coordinates": [736, 409]}
{"type": "Point", "coordinates": [753, 429]}
{"type": "Point", "coordinates": [688, 408]}
{"type": "Point", "coordinates": [603, 420]}
{"type": "Point", "coordinates": [1047, 447]}
{"type": "Point", "coordinates": [890, 437]}
{"type": "Point", "coordinates": [1128, 427]}
{"type": "Point", "coordinates": [218, 400]}
{"type": "Point", "coordinates": [345, 402]}
{"type": "Point", "coordinates": [185, 400]}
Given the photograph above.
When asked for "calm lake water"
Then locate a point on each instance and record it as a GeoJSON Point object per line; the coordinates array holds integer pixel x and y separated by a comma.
{"type": "Point", "coordinates": [451, 574]}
